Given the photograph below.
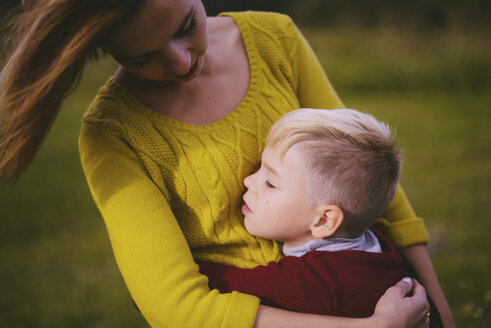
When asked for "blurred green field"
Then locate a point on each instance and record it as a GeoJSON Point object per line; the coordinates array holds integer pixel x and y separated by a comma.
{"type": "Point", "coordinates": [57, 268]}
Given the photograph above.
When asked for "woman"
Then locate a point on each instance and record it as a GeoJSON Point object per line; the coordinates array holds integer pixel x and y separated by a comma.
{"type": "Point", "coordinates": [169, 138]}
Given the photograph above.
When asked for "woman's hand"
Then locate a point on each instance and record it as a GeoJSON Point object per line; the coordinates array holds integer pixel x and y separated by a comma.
{"type": "Point", "coordinates": [396, 309]}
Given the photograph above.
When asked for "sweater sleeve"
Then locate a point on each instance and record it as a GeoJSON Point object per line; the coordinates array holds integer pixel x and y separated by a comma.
{"type": "Point", "coordinates": [289, 284]}
{"type": "Point", "coordinates": [149, 246]}
{"type": "Point", "coordinates": [312, 85]}
{"type": "Point", "coordinates": [399, 222]}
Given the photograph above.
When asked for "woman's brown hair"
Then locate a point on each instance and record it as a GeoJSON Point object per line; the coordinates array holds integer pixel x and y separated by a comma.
{"type": "Point", "coordinates": [48, 44]}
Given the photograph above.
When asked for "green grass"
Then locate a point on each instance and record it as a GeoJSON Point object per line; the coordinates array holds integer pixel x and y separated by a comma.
{"type": "Point", "coordinates": [57, 268]}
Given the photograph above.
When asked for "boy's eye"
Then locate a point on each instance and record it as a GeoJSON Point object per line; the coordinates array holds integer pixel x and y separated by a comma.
{"type": "Point", "coordinates": [269, 184]}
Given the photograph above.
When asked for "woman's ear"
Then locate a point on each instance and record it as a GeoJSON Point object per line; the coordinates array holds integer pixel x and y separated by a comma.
{"type": "Point", "coordinates": [328, 222]}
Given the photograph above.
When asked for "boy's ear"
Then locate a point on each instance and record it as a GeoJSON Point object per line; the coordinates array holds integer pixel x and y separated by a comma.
{"type": "Point", "coordinates": [328, 222]}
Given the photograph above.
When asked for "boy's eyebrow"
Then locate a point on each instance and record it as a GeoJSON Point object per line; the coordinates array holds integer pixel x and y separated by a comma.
{"type": "Point", "coordinates": [272, 170]}
{"type": "Point", "coordinates": [141, 56]}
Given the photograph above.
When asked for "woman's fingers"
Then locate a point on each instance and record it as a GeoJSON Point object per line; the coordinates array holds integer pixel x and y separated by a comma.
{"type": "Point", "coordinates": [425, 322]}
{"type": "Point", "coordinates": [401, 289]}
{"type": "Point", "coordinates": [406, 285]}
{"type": "Point", "coordinates": [404, 305]}
{"type": "Point", "coordinates": [419, 294]}
{"type": "Point", "coordinates": [418, 289]}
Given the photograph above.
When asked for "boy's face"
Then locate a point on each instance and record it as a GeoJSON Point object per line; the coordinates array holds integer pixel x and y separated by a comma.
{"type": "Point", "coordinates": [275, 204]}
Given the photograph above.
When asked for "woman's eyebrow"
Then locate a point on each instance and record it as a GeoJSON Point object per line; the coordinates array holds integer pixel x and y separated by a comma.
{"type": "Point", "coordinates": [185, 21]}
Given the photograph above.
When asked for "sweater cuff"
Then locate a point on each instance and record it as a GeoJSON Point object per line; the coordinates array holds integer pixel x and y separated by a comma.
{"type": "Point", "coordinates": [243, 312]}
{"type": "Point", "coordinates": [404, 233]}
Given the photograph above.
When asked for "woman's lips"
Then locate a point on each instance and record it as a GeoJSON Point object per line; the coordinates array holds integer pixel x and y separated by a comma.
{"type": "Point", "coordinates": [192, 70]}
{"type": "Point", "coordinates": [194, 67]}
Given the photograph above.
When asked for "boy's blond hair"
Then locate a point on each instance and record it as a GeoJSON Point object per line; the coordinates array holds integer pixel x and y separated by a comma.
{"type": "Point", "coordinates": [351, 161]}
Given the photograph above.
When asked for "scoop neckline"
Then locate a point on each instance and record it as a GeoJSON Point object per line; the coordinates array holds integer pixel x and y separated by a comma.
{"type": "Point", "coordinates": [251, 53]}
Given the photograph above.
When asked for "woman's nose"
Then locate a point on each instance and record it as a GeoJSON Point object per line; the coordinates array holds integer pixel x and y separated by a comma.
{"type": "Point", "coordinates": [180, 59]}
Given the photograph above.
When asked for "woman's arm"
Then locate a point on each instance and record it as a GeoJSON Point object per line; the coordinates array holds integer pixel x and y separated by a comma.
{"type": "Point", "coordinates": [420, 259]}
{"type": "Point", "coordinates": [393, 310]}
{"type": "Point", "coordinates": [312, 86]}
{"type": "Point", "coordinates": [270, 317]}
{"type": "Point", "coordinates": [278, 285]}
{"type": "Point", "coordinates": [400, 224]}
{"type": "Point", "coordinates": [149, 246]}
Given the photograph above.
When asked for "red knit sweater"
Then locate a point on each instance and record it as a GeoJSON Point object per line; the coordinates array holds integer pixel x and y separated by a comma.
{"type": "Point", "coordinates": [343, 283]}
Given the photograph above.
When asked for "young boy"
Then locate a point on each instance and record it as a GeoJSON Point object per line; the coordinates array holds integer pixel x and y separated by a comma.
{"type": "Point", "coordinates": [325, 177]}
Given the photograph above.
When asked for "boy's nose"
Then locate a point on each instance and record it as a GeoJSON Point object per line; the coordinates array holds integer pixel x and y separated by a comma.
{"type": "Point", "coordinates": [250, 183]}
{"type": "Point", "coordinates": [247, 182]}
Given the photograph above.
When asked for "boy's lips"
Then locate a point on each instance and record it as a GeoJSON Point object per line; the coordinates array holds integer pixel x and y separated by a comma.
{"type": "Point", "coordinates": [245, 209]}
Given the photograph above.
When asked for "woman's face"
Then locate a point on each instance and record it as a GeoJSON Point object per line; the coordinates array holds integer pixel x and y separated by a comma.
{"type": "Point", "coordinates": [165, 41]}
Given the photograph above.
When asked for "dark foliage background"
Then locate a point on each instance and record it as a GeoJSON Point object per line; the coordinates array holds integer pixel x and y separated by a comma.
{"type": "Point", "coordinates": [421, 14]}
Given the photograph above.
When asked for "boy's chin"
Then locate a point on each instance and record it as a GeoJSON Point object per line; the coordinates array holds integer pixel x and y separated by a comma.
{"type": "Point", "coordinates": [249, 227]}
{"type": "Point", "coordinates": [247, 224]}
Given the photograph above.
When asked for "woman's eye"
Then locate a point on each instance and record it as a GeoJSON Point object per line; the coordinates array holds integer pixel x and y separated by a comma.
{"type": "Point", "coordinates": [188, 30]}
{"type": "Point", "coordinates": [269, 184]}
{"type": "Point", "coordinates": [140, 63]}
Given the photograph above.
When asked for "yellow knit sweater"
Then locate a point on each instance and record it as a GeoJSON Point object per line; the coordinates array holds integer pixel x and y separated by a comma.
{"type": "Point", "coordinates": [170, 193]}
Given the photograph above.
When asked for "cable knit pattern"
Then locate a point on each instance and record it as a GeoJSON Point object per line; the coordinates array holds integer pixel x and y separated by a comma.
{"type": "Point", "coordinates": [170, 192]}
